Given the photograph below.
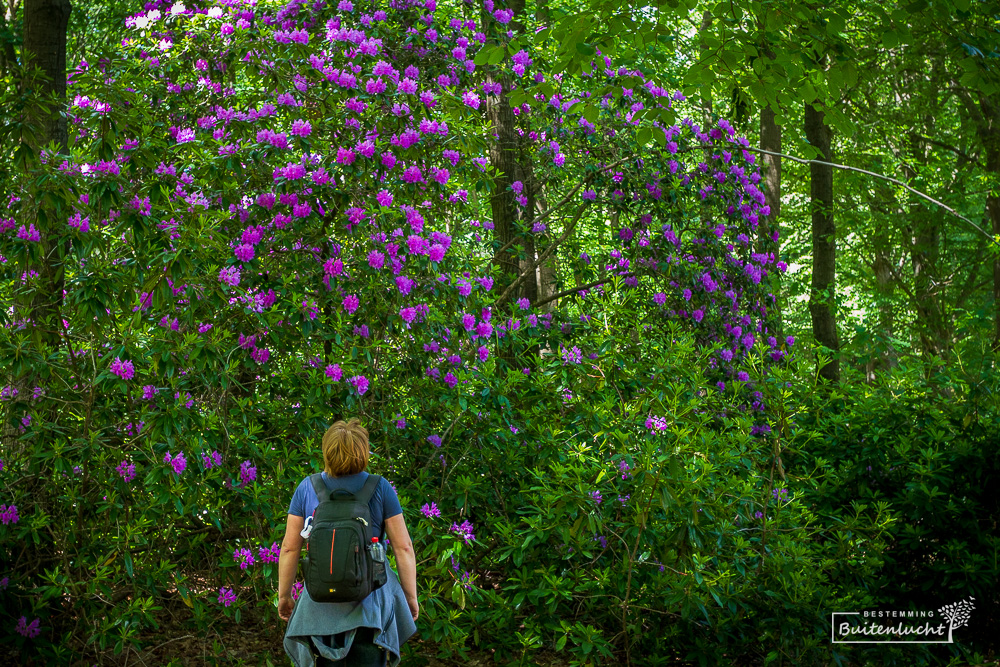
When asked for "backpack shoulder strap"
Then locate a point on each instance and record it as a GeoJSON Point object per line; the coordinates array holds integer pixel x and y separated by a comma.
{"type": "Point", "coordinates": [319, 487]}
{"type": "Point", "coordinates": [366, 492]}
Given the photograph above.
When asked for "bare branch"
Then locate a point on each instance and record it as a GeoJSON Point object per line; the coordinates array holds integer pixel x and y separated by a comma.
{"type": "Point", "coordinates": [580, 288]}
{"type": "Point", "coordinates": [876, 175]}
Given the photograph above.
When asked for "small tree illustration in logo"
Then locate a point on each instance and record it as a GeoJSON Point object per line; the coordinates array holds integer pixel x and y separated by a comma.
{"type": "Point", "coordinates": [957, 613]}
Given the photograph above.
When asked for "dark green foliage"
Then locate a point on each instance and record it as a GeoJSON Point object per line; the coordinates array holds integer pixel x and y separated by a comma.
{"type": "Point", "coordinates": [929, 454]}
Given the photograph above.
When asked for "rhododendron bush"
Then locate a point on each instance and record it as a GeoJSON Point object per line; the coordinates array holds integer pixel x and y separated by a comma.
{"type": "Point", "coordinates": [284, 215]}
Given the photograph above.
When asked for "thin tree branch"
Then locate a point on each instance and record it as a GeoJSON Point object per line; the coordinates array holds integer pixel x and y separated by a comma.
{"type": "Point", "coordinates": [580, 288]}
{"type": "Point", "coordinates": [954, 149]}
{"type": "Point", "coordinates": [876, 175]}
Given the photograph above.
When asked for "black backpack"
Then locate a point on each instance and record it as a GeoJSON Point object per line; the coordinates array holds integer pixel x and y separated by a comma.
{"type": "Point", "coordinates": [339, 566]}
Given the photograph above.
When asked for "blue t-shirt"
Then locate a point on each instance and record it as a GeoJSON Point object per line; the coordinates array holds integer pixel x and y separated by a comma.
{"type": "Point", "coordinates": [384, 503]}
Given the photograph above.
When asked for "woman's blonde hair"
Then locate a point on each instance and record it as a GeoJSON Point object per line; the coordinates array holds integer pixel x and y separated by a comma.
{"type": "Point", "coordinates": [345, 448]}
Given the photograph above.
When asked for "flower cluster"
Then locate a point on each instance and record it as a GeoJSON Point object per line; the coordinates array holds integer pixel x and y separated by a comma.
{"type": "Point", "coordinates": [226, 596]}
{"type": "Point", "coordinates": [572, 356]}
{"type": "Point", "coordinates": [248, 473]}
{"type": "Point", "coordinates": [127, 470]}
{"type": "Point", "coordinates": [8, 514]}
{"type": "Point", "coordinates": [178, 463]}
{"type": "Point", "coordinates": [122, 369]}
{"type": "Point", "coordinates": [464, 531]}
{"type": "Point", "coordinates": [244, 557]}
{"type": "Point", "coordinates": [269, 554]}
{"type": "Point", "coordinates": [211, 461]}
{"type": "Point", "coordinates": [25, 629]}
{"type": "Point", "coordinates": [656, 423]}
{"type": "Point", "coordinates": [430, 510]}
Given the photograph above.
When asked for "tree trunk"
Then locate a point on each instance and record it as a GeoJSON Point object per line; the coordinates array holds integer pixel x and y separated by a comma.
{"type": "Point", "coordinates": [45, 23]}
{"type": "Point", "coordinates": [924, 251]}
{"type": "Point", "coordinates": [503, 152]}
{"type": "Point", "coordinates": [547, 272]}
{"type": "Point", "coordinates": [989, 132]}
{"type": "Point", "coordinates": [822, 297]}
{"type": "Point", "coordinates": [703, 34]}
{"type": "Point", "coordinates": [985, 114]}
{"type": "Point", "coordinates": [769, 227]}
{"type": "Point", "coordinates": [884, 292]}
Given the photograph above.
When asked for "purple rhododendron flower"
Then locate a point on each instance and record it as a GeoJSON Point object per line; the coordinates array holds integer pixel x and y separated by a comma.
{"type": "Point", "coordinates": [269, 554]}
{"type": "Point", "coordinates": [211, 461]}
{"type": "Point", "coordinates": [430, 511]}
{"type": "Point", "coordinates": [244, 557]}
{"type": "Point", "coordinates": [230, 275]}
{"type": "Point", "coordinates": [8, 514]}
{"type": "Point", "coordinates": [464, 531]}
{"type": "Point", "coordinates": [248, 473]}
{"type": "Point", "coordinates": [178, 463]}
{"type": "Point", "coordinates": [226, 596]}
{"type": "Point", "coordinates": [572, 356]}
{"type": "Point", "coordinates": [126, 470]}
{"type": "Point", "coordinates": [360, 383]}
{"type": "Point", "coordinates": [30, 630]}
{"type": "Point", "coordinates": [122, 369]}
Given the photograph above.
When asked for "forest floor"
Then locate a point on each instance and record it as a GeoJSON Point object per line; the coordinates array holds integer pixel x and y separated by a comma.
{"type": "Point", "coordinates": [249, 643]}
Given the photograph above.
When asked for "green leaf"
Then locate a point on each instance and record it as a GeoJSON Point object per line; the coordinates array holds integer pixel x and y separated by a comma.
{"type": "Point", "coordinates": [890, 39]}
{"type": "Point", "coordinates": [483, 55]}
{"type": "Point", "coordinates": [518, 97]}
{"type": "Point", "coordinates": [497, 55]}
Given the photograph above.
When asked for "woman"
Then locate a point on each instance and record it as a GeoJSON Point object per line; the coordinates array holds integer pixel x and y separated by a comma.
{"type": "Point", "coordinates": [348, 634]}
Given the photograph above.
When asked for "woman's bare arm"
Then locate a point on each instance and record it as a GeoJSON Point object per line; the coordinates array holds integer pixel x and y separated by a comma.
{"type": "Point", "coordinates": [406, 561]}
{"type": "Point", "coordinates": [291, 548]}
